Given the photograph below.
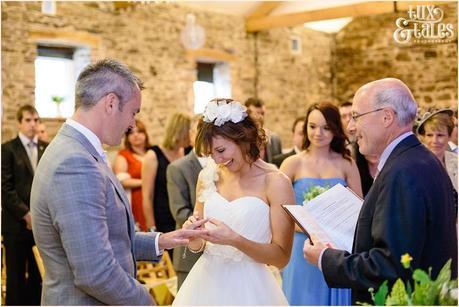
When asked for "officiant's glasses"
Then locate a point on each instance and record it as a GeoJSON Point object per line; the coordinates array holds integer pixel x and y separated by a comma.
{"type": "Point", "coordinates": [355, 116]}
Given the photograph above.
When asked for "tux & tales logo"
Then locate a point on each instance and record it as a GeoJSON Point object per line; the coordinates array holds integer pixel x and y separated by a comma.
{"type": "Point", "coordinates": [423, 25]}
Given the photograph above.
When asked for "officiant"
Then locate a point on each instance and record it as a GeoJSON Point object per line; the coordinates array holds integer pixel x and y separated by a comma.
{"type": "Point", "coordinates": [409, 208]}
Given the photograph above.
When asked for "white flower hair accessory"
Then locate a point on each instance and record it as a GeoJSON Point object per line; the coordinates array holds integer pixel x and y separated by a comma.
{"type": "Point", "coordinates": [219, 111]}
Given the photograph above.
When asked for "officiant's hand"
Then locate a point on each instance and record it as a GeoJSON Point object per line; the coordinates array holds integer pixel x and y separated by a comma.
{"type": "Point", "coordinates": [312, 252]}
{"type": "Point", "coordinates": [182, 236]}
{"type": "Point", "coordinates": [220, 233]}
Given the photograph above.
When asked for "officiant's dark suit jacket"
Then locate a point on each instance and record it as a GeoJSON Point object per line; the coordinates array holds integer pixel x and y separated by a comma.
{"type": "Point", "coordinates": [409, 209]}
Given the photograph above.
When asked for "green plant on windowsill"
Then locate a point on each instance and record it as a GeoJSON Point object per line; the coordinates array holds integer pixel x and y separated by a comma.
{"type": "Point", "coordinates": [441, 291]}
{"type": "Point", "coordinates": [58, 100]}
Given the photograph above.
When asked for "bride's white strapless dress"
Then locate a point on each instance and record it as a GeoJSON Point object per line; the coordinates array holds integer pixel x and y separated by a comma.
{"type": "Point", "coordinates": [223, 275]}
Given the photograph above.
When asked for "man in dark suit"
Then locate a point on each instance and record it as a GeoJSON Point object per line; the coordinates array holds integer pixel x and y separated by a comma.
{"type": "Point", "coordinates": [182, 176]}
{"type": "Point", "coordinates": [257, 110]}
{"type": "Point", "coordinates": [19, 160]}
{"type": "Point", "coordinates": [409, 208]}
{"type": "Point", "coordinates": [297, 140]}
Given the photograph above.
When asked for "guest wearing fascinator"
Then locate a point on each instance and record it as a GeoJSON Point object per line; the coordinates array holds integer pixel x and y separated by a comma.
{"type": "Point", "coordinates": [435, 130]}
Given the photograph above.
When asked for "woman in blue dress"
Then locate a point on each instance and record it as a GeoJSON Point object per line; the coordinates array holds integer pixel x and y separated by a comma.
{"type": "Point", "coordinates": [324, 162]}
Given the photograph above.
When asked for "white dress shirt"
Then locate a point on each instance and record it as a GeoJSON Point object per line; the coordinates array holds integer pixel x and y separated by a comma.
{"type": "Point", "coordinates": [32, 150]}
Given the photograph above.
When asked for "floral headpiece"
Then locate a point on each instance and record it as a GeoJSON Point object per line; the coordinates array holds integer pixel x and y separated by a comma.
{"type": "Point", "coordinates": [219, 111]}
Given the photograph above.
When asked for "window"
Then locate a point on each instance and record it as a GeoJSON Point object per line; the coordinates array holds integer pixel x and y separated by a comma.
{"type": "Point", "coordinates": [213, 80]}
{"type": "Point", "coordinates": [56, 71]}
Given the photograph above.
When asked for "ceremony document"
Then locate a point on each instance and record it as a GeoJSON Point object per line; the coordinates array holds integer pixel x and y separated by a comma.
{"type": "Point", "coordinates": [331, 217]}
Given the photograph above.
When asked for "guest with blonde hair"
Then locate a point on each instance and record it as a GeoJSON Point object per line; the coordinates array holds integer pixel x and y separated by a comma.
{"type": "Point", "coordinates": [128, 168]}
{"type": "Point", "coordinates": [154, 184]}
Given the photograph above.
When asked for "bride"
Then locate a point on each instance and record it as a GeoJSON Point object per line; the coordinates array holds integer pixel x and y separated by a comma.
{"type": "Point", "coordinates": [241, 196]}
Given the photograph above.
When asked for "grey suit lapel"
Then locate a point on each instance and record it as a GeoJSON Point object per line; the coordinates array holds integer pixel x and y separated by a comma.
{"type": "Point", "coordinates": [194, 162]}
{"type": "Point", "coordinates": [73, 133]}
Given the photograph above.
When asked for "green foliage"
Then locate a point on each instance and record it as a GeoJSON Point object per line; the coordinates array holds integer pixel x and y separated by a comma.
{"type": "Point", "coordinates": [313, 192]}
{"type": "Point", "coordinates": [57, 99]}
{"type": "Point", "coordinates": [398, 294]}
{"type": "Point", "coordinates": [380, 296]}
{"type": "Point", "coordinates": [441, 291]}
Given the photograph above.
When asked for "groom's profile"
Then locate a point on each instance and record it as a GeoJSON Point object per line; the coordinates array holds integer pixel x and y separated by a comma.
{"type": "Point", "coordinates": [81, 218]}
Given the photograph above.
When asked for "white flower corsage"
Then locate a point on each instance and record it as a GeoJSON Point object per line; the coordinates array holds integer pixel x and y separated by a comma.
{"type": "Point", "coordinates": [208, 177]}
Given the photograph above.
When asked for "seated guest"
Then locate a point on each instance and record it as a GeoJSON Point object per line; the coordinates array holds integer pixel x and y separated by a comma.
{"type": "Point", "coordinates": [435, 130]}
{"type": "Point", "coordinates": [128, 168]}
{"type": "Point", "coordinates": [297, 140]}
{"type": "Point", "coordinates": [257, 111]}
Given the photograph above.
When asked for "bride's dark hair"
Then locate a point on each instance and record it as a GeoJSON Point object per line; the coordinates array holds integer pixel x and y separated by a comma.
{"type": "Point", "coordinates": [246, 134]}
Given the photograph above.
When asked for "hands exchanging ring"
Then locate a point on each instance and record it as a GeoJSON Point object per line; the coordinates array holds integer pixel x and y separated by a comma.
{"type": "Point", "coordinates": [216, 232]}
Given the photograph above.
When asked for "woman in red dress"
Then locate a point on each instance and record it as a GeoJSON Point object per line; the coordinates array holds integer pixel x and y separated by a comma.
{"type": "Point", "coordinates": [128, 168]}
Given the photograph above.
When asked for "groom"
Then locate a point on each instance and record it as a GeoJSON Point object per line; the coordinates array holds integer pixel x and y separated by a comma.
{"type": "Point", "coordinates": [81, 218]}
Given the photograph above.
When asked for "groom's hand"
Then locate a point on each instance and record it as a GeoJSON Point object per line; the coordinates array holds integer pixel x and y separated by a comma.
{"type": "Point", "coordinates": [179, 237]}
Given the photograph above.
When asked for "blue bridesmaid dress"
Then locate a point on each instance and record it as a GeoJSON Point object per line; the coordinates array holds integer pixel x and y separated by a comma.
{"type": "Point", "coordinates": [302, 282]}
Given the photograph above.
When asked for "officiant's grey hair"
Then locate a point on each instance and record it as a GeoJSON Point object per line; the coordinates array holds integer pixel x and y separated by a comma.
{"type": "Point", "coordinates": [102, 78]}
{"type": "Point", "coordinates": [399, 98]}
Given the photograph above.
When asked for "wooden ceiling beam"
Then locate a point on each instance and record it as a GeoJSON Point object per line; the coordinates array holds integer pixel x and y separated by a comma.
{"type": "Point", "coordinates": [353, 10]}
{"type": "Point", "coordinates": [404, 5]}
{"type": "Point", "coordinates": [264, 9]}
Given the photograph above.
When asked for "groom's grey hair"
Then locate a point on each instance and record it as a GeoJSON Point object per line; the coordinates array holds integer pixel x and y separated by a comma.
{"type": "Point", "coordinates": [104, 77]}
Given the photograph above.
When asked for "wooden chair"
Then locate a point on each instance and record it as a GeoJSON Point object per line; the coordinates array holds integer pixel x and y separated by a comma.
{"type": "Point", "coordinates": [41, 267]}
{"type": "Point", "coordinates": [159, 278]}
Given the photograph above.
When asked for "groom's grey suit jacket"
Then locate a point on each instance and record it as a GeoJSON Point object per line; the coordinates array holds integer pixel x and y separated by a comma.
{"type": "Point", "coordinates": [83, 226]}
{"type": "Point", "coordinates": [182, 176]}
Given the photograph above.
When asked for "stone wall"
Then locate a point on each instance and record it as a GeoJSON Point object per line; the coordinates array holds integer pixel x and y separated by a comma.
{"type": "Point", "coordinates": [366, 50]}
{"type": "Point", "coordinates": [289, 82]}
{"type": "Point", "coordinates": [147, 38]}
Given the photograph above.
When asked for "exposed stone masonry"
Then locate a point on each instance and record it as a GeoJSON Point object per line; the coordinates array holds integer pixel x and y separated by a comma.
{"type": "Point", "coordinates": [147, 38]}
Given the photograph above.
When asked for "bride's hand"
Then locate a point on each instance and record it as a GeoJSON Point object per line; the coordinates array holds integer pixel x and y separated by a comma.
{"type": "Point", "coordinates": [190, 223]}
{"type": "Point", "coordinates": [220, 233]}
{"type": "Point", "coordinates": [194, 222]}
